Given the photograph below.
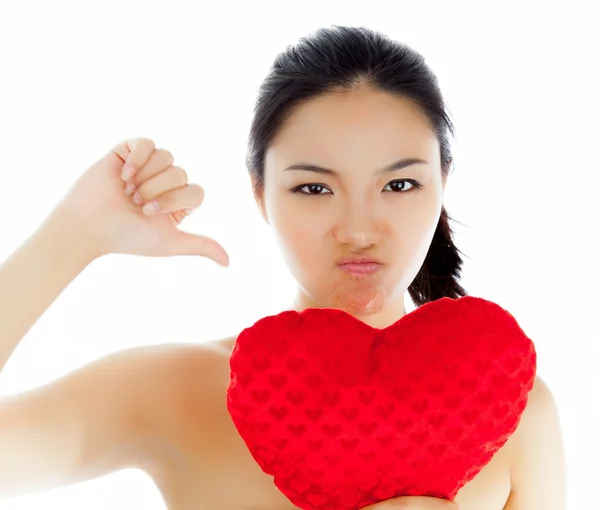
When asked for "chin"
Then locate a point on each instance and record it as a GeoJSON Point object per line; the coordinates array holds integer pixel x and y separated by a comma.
{"type": "Point", "coordinates": [358, 302]}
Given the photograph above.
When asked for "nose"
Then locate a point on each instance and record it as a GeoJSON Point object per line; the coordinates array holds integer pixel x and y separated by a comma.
{"type": "Point", "coordinates": [358, 226]}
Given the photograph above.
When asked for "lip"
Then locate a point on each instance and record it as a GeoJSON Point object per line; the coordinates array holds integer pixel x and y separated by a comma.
{"type": "Point", "coordinates": [356, 259]}
{"type": "Point", "coordinates": [362, 269]}
{"type": "Point", "coordinates": [359, 266]}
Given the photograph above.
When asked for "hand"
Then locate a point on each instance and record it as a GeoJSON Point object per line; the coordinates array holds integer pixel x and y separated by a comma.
{"type": "Point", "coordinates": [114, 223]}
{"type": "Point", "coordinates": [413, 503]}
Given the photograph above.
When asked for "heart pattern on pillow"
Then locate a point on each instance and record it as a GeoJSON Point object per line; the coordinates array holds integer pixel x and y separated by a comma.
{"type": "Point", "coordinates": [344, 415]}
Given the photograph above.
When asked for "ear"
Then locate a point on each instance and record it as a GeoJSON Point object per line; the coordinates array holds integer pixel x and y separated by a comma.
{"type": "Point", "coordinates": [259, 197]}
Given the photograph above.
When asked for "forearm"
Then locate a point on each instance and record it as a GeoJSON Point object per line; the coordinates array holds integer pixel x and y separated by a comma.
{"type": "Point", "coordinates": [36, 274]}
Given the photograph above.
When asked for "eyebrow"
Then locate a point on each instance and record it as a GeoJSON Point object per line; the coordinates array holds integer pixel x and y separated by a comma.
{"type": "Point", "coordinates": [396, 165]}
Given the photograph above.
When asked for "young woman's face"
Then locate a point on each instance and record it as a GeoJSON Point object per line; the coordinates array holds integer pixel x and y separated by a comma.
{"type": "Point", "coordinates": [358, 208]}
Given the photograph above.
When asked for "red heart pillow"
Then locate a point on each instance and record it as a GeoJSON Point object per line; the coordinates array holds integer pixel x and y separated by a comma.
{"type": "Point", "coordinates": [344, 415]}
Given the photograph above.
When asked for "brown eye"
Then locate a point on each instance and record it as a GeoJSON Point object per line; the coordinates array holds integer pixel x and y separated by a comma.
{"type": "Point", "coordinates": [313, 189]}
{"type": "Point", "coordinates": [401, 188]}
{"type": "Point", "coordinates": [397, 186]}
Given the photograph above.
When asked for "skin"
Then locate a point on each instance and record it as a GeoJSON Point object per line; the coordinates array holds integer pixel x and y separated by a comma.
{"type": "Point", "coordinates": [413, 503]}
{"type": "Point", "coordinates": [359, 211]}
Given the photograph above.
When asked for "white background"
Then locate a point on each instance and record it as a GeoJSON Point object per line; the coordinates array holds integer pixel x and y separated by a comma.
{"type": "Point", "coordinates": [522, 84]}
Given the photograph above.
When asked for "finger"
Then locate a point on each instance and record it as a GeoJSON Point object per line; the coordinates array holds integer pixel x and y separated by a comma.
{"type": "Point", "coordinates": [163, 182]}
{"type": "Point", "coordinates": [140, 151]}
{"type": "Point", "coordinates": [122, 150]}
{"type": "Point", "coordinates": [183, 243]}
{"type": "Point", "coordinates": [187, 197]}
{"type": "Point", "coordinates": [181, 214]}
{"type": "Point", "coordinates": [159, 160]}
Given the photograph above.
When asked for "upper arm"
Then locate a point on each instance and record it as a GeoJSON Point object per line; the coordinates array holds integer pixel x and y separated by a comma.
{"type": "Point", "coordinates": [97, 419]}
{"type": "Point", "coordinates": [538, 471]}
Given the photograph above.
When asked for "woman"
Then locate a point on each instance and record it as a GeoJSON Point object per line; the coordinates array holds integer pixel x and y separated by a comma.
{"type": "Point", "coordinates": [349, 157]}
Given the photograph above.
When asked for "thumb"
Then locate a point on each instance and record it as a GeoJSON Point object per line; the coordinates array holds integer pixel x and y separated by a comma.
{"type": "Point", "coordinates": [184, 243]}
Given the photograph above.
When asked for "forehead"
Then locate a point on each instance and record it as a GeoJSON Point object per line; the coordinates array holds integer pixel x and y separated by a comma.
{"type": "Point", "coordinates": [350, 124]}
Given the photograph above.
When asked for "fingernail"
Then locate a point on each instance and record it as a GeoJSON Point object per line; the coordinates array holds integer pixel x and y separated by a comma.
{"type": "Point", "coordinates": [128, 171]}
{"type": "Point", "coordinates": [150, 208]}
{"type": "Point", "coordinates": [137, 200]}
{"type": "Point", "coordinates": [129, 189]}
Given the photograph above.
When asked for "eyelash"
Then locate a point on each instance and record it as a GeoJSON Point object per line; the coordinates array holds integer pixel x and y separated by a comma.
{"type": "Point", "coordinates": [416, 185]}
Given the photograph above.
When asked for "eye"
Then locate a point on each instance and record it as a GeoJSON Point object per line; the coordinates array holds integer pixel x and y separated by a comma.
{"type": "Point", "coordinates": [402, 182]}
{"type": "Point", "coordinates": [314, 189]}
{"type": "Point", "coordinates": [398, 186]}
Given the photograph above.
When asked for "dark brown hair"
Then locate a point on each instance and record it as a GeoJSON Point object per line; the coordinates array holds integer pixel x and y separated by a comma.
{"type": "Point", "coordinates": [342, 58]}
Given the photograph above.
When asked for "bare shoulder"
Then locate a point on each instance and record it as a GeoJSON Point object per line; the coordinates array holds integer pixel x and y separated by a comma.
{"type": "Point", "coordinates": [181, 382]}
{"type": "Point", "coordinates": [187, 371]}
{"type": "Point", "coordinates": [537, 455]}
{"type": "Point", "coordinates": [192, 377]}
{"type": "Point", "coordinates": [540, 408]}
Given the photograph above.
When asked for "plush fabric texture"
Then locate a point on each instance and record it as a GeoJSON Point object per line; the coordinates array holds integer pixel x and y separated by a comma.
{"type": "Point", "coordinates": [344, 415]}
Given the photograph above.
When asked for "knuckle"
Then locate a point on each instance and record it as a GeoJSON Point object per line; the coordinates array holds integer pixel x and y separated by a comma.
{"type": "Point", "coordinates": [140, 150]}
{"type": "Point", "coordinates": [166, 157]}
{"type": "Point", "coordinates": [142, 145]}
{"type": "Point", "coordinates": [147, 143]}
{"type": "Point", "coordinates": [180, 176]}
{"type": "Point", "coordinates": [158, 161]}
{"type": "Point", "coordinates": [121, 150]}
{"type": "Point", "coordinates": [198, 193]}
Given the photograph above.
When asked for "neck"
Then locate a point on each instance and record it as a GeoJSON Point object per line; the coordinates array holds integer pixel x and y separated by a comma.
{"type": "Point", "coordinates": [388, 315]}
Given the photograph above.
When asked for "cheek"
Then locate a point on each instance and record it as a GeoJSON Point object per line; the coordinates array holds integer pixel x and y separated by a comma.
{"type": "Point", "coordinates": [297, 230]}
{"type": "Point", "coordinates": [420, 225]}
{"type": "Point", "coordinates": [302, 235]}
{"type": "Point", "coordinates": [411, 238]}
{"type": "Point", "coordinates": [418, 234]}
